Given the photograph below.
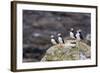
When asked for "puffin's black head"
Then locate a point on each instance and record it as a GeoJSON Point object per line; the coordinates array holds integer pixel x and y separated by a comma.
{"type": "Point", "coordinates": [59, 34]}
{"type": "Point", "coordinates": [52, 36]}
{"type": "Point", "coordinates": [79, 31]}
{"type": "Point", "coordinates": [71, 29]}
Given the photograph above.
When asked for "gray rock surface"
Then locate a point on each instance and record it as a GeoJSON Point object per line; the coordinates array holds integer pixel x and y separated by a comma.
{"type": "Point", "coordinates": [61, 52]}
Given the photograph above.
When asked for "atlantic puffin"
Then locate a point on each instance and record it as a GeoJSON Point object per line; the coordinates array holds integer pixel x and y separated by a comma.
{"type": "Point", "coordinates": [53, 41]}
{"type": "Point", "coordinates": [79, 35]}
{"type": "Point", "coordinates": [72, 33]}
{"type": "Point", "coordinates": [60, 39]}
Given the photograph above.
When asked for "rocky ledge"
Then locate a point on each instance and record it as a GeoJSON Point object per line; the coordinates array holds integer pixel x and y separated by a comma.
{"type": "Point", "coordinates": [60, 52]}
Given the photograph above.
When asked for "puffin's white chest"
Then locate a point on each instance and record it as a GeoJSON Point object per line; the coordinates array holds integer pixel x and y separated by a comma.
{"type": "Point", "coordinates": [72, 35]}
{"type": "Point", "coordinates": [60, 40]}
{"type": "Point", "coordinates": [53, 41]}
{"type": "Point", "coordinates": [78, 36]}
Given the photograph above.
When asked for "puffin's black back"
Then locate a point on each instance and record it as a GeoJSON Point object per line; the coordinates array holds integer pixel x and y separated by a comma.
{"type": "Point", "coordinates": [74, 33]}
{"type": "Point", "coordinates": [81, 36]}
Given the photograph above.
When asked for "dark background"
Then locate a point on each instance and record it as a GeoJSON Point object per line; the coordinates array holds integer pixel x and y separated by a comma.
{"type": "Point", "coordinates": [39, 25]}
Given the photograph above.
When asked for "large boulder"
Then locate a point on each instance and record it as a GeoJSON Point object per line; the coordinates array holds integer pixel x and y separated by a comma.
{"type": "Point", "coordinates": [62, 52]}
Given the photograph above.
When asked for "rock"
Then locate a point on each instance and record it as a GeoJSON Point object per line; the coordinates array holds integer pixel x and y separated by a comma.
{"type": "Point", "coordinates": [61, 52]}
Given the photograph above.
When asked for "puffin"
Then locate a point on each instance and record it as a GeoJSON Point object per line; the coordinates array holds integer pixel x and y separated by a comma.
{"type": "Point", "coordinates": [53, 41]}
{"type": "Point", "coordinates": [72, 33]}
{"type": "Point", "coordinates": [60, 38]}
{"type": "Point", "coordinates": [79, 35]}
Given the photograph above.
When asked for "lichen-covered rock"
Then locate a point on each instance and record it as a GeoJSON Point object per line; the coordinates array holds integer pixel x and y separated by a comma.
{"type": "Point", "coordinates": [62, 52]}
